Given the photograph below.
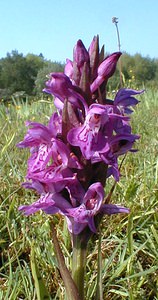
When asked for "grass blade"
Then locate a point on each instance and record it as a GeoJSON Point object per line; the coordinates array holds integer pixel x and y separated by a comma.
{"type": "Point", "coordinates": [42, 293]}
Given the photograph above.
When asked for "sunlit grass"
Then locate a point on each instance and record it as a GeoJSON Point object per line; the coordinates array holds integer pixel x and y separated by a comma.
{"type": "Point", "coordinates": [129, 244]}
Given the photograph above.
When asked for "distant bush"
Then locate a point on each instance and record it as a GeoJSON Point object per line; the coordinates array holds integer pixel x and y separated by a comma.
{"type": "Point", "coordinates": [28, 73]}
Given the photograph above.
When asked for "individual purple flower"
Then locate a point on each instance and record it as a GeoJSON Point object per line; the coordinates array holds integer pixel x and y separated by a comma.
{"type": "Point", "coordinates": [79, 213]}
{"type": "Point", "coordinates": [52, 162]}
{"type": "Point", "coordinates": [118, 145]}
{"type": "Point", "coordinates": [84, 214]}
{"type": "Point", "coordinates": [61, 87]}
{"type": "Point", "coordinates": [36, 135]}
{"type": "Point", "coordinates": [93, 135]}
{"type": "Point", "coordinates": [55, 197]}
{"type": "Point", "coordinates": [86, 135]}
{"type": "Point", "coordinates": [40, 134]}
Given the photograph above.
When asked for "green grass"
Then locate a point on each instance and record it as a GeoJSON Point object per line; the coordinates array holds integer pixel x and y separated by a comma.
{"type": "Point", "coordinates": [129, 244]}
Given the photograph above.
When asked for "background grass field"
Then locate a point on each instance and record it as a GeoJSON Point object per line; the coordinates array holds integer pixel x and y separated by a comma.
{"type": "Point", "coordinates": [129, 243]}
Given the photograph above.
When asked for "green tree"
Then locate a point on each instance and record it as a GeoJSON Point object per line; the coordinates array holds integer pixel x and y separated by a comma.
{"type": "Point", "coordinates": [142, 68]}
{"type": "Point", "coordinates": [36, 61]}
{"type": "Point", "coordinates": [18, 73]}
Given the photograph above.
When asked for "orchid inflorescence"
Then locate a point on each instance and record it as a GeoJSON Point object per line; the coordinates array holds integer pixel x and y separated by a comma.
{"type": "Point", "coordinates": [73, 155]}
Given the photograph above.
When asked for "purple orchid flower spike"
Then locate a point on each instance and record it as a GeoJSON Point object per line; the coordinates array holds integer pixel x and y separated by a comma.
{"type": "Point", "coordinates": [72, 157]}
{"type": "Point", "coordinates": [85, 132]}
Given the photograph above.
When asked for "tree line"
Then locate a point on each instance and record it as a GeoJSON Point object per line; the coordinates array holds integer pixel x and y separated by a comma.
{"type": "Point", "coordinates": [26, 75]}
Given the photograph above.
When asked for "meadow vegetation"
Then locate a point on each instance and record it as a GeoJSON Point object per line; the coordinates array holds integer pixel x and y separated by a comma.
{"type": "Point", "coordinates": [129, 244]}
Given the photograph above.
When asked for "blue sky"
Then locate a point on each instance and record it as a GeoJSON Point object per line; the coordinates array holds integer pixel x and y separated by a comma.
{"type": "Point", "coordinates": [52, 27]}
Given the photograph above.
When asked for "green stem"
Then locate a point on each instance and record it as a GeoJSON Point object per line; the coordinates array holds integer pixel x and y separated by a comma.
{"type": "Point", "coordinates": [99, 291]}
{"type": "Point", "coordinates": [115, 21]}
{"type": "Point", "coordinates": [78, 263]}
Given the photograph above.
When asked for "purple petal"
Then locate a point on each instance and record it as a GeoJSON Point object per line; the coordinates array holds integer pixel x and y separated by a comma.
{"type": "Point", "coordinates": [55, 124]}
{"type": "Point", "coordinates": [111, 209]}
{"type": "Point", "coordinates": [37, 134]}
{"type": "Point", "coordinates": [69, 68]}
{"type": "Point", "coordinates": [74, 227]}
{"type": "Point", "coordinates": [122, 143]}
{"type": "Point", "coordinates": [44, 201]}
{"type": "Point", "coordinates": [124, 97]}
{"type": "Point", "coordinates": [114, 171]}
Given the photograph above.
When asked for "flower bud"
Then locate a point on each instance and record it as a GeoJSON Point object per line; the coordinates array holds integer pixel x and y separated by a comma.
{"type": "Point", "coordinates": [108, 66]}
{"type": "Point", "coordinates": [105, 70]}
{"type": "Point", "coordinates": [81, 54]}
{"type": "Point", "coordinates": [94, 56]}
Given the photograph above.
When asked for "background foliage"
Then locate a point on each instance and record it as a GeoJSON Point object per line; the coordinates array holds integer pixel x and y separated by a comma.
{"type": "Point", "coordinates": [25, 75]}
